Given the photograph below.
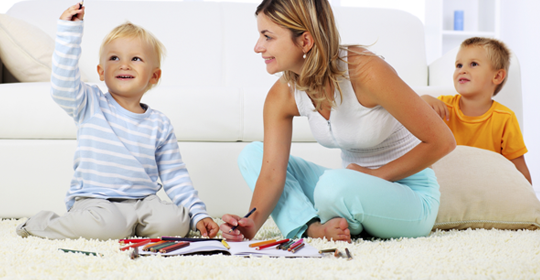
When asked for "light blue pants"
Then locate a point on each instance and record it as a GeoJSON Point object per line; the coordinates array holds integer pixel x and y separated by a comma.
{"type": "Point", "coordinates": [405, 208]}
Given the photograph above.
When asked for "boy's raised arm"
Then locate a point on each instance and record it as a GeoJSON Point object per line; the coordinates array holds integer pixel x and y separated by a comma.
{"type": "Point", "coordinates": [73, 13]}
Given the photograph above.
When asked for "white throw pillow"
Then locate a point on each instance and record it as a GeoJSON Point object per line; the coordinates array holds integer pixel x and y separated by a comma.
{"type": "Point", "coordinates": [25, 50]}
{"type": "Point", "coordinates": [482, 189]}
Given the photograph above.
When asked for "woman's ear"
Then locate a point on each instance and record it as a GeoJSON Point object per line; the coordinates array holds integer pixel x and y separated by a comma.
{"type": "Point", "coordinates": [306, 41]}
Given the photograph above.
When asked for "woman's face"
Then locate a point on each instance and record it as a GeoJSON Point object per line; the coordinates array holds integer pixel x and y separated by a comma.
{"type": "Point", "coordinates": [275, 44]}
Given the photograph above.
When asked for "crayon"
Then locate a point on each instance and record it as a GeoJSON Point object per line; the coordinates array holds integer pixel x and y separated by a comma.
{"type": "Point", "coordinates": [247, 215]}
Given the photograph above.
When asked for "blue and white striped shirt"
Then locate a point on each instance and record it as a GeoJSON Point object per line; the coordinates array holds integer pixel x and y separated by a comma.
{"type": "Point", "coordinates": [120, 154]}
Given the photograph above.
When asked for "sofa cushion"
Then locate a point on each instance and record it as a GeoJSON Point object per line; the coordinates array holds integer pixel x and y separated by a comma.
{"type": "Point", "coordinates": [25, 50]}
{"type": "Point", "coordinates": [482, 189]}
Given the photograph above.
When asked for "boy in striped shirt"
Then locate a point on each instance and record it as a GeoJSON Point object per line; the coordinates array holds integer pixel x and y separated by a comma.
{"type": "Point", "coordinates": [124, 146]}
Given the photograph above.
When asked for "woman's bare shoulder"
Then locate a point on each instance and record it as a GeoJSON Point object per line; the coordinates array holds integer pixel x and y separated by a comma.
{"type": "Point", "coordinates": [281, 98]}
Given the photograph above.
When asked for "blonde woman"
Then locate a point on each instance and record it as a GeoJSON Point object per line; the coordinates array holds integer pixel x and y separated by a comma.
{"type": "Point", "coordinates": [356, 102]}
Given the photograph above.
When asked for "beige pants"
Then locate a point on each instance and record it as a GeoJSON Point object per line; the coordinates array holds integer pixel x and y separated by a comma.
{"type": "Point", "coordinates": [112, 219]}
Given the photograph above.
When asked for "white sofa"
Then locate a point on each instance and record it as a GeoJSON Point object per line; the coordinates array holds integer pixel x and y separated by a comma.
{"type": "Point", "coordinates": [213, 88]}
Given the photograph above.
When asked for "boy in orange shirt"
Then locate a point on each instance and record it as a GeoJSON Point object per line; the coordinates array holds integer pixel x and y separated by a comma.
{"type": "Point", "coordinates": [475, 119]}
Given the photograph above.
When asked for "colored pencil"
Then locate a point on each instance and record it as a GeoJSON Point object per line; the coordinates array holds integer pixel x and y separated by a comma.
{"type": "Point", "coordinates": [137, 240]}
{"type": "Point", "coordinates": [82, 252]}
{"type": "Point", "coordinates": [173, 247]}
{"type": "Point", "coordinates": [327, 250]}
{"type": "Point", "coordinates": [247, 215]}
{"type": "Point", "coordinates": [298, 248]}
{"type": "Point", "coordinates": [146, 248]}
{"type": "Point", "coordinates": [257, 244]}
{"type": "Point", "coordinates": [272, 244]}
{"type": "Point", "coordinates": [349, 256]}
{"type": "Point", "coordinates": [170, 238]}
{"type": "Point", "coordinates": [337, 253]}
{"type": "Point", "coordinates": [135, 253]}
{"type": "Point", "coordinates": [297, 243]}
{"type": "Point", "coordinates": [155, 249]}
{"type": "Point", "coordinates": [287, 245]}
{"type": "Point", "coordinates": [135, 245]}
{"type": "Point", "coordinates": [225, 244]}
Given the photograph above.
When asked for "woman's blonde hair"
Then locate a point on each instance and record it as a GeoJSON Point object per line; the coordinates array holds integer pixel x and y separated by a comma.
{"type": "Point", "coordinates": [130, 30]}
{"type": "Point", "coordinates": [322, 61]}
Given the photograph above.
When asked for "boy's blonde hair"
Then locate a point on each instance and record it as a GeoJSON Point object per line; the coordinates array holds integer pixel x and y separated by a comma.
{"type": "Point", "coordinates": [497, 52]}
{"type": "Point", "coordinates": [130, 30]}
{"type": "Point", "coordinates": [322, 61]}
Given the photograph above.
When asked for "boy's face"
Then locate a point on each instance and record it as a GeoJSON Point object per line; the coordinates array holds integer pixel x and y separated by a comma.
{"type": "Point", "coordinates": [128, 66]}
{"type": "Point", "coordinates": [474, 74]}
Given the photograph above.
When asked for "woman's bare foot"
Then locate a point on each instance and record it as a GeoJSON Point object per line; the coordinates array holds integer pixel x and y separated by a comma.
{"type": "Point", "coordinates": [336, 229]}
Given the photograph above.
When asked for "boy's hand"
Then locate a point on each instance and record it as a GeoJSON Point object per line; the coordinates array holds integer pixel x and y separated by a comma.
{"type": "Point", "coordinates": [207, 227]}
{"type": "Point", "coordinates": [73, 13]}
{"type": "Point", "coordinates": [437, 105]}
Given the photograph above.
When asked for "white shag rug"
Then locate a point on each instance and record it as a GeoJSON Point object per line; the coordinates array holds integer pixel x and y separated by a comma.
{"type": "Point", "coordinates": [467, 254]}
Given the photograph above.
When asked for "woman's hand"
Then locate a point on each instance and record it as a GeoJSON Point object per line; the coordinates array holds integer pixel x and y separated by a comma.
{"type": "Point", "coordinates": [356, 167]}
{"type": "Point", "coordinates": [246, 228]}
{"type": "Point", "coordinates": [73, 13]}
{"type": "Point", "coordinates": [207, 227]}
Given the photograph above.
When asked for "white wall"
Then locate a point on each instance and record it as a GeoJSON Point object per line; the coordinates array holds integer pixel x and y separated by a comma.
{"type": "Point", "coordinates": [520, 29]}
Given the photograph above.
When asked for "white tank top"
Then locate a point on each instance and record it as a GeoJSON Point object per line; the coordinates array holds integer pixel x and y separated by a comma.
{"type": "Point", "coordinates": [369, 137]}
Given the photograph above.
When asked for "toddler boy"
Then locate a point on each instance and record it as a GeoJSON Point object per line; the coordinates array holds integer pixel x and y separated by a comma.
{"type": "Point", "coordinates": [475, 119]}
{"type": "Point", "coordinates": [124, 146]}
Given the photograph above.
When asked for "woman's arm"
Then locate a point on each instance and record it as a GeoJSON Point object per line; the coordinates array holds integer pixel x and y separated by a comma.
{"type": "Point", "coordinates": [376, 83]}
{"type": "Point", "coordinates": [279, 110]}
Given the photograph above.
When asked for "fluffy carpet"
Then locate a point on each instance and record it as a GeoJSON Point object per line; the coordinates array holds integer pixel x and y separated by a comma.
{"type": "Point", "coordinates": [466, 254]}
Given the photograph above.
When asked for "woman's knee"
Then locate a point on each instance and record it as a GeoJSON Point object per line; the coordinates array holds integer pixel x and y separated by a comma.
{"type": "Point", "coordinates": [331, 187]}
{"type": "Point", "coordinates": [253, 151]}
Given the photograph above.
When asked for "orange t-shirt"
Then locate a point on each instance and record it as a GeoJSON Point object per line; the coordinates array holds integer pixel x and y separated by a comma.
{"type": "Point", "coordinates": [497, 130]}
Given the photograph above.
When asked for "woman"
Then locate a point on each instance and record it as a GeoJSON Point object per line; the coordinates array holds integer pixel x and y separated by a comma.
{"type": "Point", "coordinates": [354, 101]}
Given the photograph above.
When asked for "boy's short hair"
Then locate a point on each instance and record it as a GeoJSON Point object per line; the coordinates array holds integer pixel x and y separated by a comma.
{"type": "Point", "coordinates": [497, 52]}
{"type": "Point", "coordinates": [130, 30]}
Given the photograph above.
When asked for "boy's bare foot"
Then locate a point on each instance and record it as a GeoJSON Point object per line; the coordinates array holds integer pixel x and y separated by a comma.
{"type": "Point", "coordinates": [336, 229]}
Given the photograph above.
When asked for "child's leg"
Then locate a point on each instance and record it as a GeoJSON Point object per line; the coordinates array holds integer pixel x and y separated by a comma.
{"type": "Point", "coordinates": [406, 208]}
{"type": "Point", "coordinates": [296, 205]}
{"type": "Point", "coordinates": [160, 218]}
{"type": "Point", "coordinates": [88, 218]}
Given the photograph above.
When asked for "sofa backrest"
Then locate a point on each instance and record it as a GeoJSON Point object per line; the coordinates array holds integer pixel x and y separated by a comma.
{"type": "Point", "coordinates": [210, 64]}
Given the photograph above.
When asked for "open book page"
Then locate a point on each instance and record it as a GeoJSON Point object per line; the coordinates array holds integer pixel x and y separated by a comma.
{"type": "Point", "coordinates": [237, 249]}
{"type": "Point", "coordinates": [243, 249]}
